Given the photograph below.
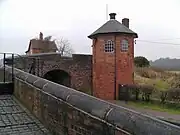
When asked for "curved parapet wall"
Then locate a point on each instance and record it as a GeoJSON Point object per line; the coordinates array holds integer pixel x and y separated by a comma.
{"type": "Point", "coordinates": [58, 106]}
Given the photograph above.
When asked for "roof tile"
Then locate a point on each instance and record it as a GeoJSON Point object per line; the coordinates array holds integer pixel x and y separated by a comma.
{"type": "Point", "coordinates": [113, 26]}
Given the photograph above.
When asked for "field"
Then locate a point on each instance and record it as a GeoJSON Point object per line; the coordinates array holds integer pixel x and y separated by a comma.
{"type": "Point", "coordinates": [159, 79]}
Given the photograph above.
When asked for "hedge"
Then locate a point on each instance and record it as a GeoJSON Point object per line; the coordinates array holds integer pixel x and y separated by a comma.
{"type": "Point", "coordinates": [147, 92]}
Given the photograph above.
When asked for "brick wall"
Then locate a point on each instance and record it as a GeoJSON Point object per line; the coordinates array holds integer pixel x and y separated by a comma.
{"type": "Point", "coordinates": [103, 70]}
{"type": "Point", "coordinates": [125, 62]}
{"type": "Point", "coordinates": [66, 111]}
{"type": "Point", "coordinates": [79, 67]}
{"type": "Point", "coordinates": [104, 62]}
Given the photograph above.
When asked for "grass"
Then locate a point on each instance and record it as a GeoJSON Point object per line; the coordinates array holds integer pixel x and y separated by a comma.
{"type": "Point", "coordinates": [156, 107]}
{"type": "Point", "coordinates": [156, 83]}
{"type": "Point", "coordinates": [161, 85]}
{"type": "Point", "coordinates": [159, 79]}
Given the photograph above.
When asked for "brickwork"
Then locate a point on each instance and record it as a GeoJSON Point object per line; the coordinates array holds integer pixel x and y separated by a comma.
{"type": "Point", "coordinates": [124, 62]}
{"type": "Point", "coordinates": [103, 70]}
{"type": "Point", "coordinates": [104, 66]}
{"type": "Point", "coordinates": [79, 67]}
{"type": "Point", "coordinates": [113, 57]}
{"type": "Point", "coordinates": [98, 77]}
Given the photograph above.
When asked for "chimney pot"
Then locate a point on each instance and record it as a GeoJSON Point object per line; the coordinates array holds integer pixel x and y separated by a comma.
{"type": "Point", "coordinates": [125, 22]}
{"type": "Point", "coordinates": [41, 36]}
{"type": "Point", "coordinates": [112, 15]}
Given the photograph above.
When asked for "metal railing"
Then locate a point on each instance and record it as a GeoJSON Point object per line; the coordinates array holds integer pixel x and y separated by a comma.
{"type": "Point", "coordinates": [6, 61]}
{"type": "Point", "coordinates": [9, 60]}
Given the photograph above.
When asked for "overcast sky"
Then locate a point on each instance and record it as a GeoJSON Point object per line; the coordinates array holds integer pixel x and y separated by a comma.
{"type": "Point", "coordinates": [153, 20]}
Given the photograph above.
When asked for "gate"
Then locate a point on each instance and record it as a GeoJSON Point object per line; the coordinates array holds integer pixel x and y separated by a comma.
{"type": "Point", "coordinates": [6, 79]}
{"type": "Point", "coordinates": [123, 92]}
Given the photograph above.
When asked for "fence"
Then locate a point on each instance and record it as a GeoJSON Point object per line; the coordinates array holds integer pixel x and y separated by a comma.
{"type": "Point", "coordinates": [6, 59]}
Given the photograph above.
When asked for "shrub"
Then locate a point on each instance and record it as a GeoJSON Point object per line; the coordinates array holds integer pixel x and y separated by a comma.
{"type": "Point", "coordinates": [161, 85]}
{"type": "Point", "coordinates": [132, 91]}
{"type": "Point", "coordinates": [141, 61]}
{"type": "Point", "coordinates": [146, 91]}
{"type": "Point", "coordinates": [174, 94]}
{"type": "Point", "coordinates": [129, 92]}
{"type": "Point", "coordinates": [146, 72]}
{"type": "Point", "coordinates": [163, 96]}
{"type": "Point", "coordinates": [175, 83]}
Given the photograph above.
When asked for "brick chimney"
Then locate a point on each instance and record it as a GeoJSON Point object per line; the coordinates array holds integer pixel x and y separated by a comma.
{"type": "Point", "coordinates": [125, 22]}
{"type": "Point", "coordinates": [41, 36]}
{"type": "Point", "coordinates": [112, 16]}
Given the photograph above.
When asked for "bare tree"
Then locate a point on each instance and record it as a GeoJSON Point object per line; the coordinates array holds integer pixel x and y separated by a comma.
{"type": "Point", "coordinates": [64, 47]}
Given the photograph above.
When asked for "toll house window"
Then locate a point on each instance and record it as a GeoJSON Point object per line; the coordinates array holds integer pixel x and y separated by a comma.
{"type": "Point", "coordinates": [109, 46]}
{"type": "Point", "coordinates": [124, 45]}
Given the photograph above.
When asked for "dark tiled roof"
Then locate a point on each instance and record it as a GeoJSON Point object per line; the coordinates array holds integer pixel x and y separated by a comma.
{"type": "Point", "coordinates": [113, 26]}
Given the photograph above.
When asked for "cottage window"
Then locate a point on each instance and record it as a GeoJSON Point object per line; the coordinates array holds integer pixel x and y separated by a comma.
{"type": "Point", "coordinates": [124, 45]}
{"type": "Point", "coordinates": [109, 46]}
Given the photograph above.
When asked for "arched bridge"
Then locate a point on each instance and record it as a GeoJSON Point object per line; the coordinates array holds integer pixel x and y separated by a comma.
{"type": "Point", "coordinates": [74, 72]}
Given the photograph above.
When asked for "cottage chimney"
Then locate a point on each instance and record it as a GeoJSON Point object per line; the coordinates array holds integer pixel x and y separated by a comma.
{"type": "Point", "coordinates": [112, 16]}
{"type": "Point", "coordinates": [41, 36]}
{"type": "Point", "coordinates": [125, 22]}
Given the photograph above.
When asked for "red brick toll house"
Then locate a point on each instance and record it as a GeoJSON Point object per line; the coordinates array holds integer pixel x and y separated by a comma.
{"type": "Point", "coordinates": [113, 57]}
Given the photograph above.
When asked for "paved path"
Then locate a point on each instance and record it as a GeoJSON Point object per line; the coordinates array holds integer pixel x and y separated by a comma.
{"type": "Point", "coordinates": [16, 120]}
{"type": "Point", "coordinates": [154, 113]}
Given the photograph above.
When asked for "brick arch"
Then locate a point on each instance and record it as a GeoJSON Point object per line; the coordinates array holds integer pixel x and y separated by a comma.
{"type": "Point", "coordinates": [80, 74]}
{"type": "Point", "coordinates": [58, 76]}
{"type": "Point", "coordinates": [55, 67]}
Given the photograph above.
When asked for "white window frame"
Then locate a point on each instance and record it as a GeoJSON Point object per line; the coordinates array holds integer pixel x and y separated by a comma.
{"type": "Point", "coordinates": [109, 46]}
{"type": "Point", "coordinates": [124, 45]}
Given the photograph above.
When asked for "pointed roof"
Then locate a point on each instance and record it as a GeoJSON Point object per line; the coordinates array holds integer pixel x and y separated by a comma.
{"type": "Point", "coordinates": [113, 26]}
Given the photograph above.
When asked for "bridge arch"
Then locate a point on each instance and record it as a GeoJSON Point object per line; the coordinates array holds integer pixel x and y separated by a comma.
{"type": "Point", "coordinates": [58, 76]}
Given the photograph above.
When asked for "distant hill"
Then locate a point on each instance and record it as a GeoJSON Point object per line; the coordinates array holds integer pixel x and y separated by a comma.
{"type": "Point", "coordinates": [166, 63]}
